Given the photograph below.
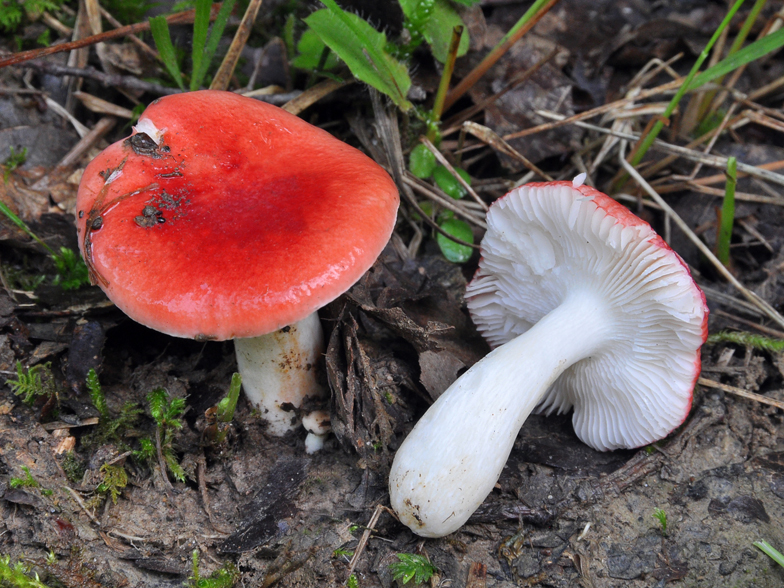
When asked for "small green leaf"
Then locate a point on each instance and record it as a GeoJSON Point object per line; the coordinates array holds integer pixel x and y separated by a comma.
{"type": "Point", "coordinates": [310, 49]}
{"type": "Point", "coordinates": [72, 272]}
{"type": "Point", "coordinates": [455, 252]}
{"type": "Point", "coordinates": [438, 31]}
{"type": "Point", "coordinates": [449, 184]}
{"type": "Point", "coordinates": [412, 567]}
{"type": "Point", "coordinates": [96, 394]}
{"type": "Point", "coordinates": [361, 47]}
{"type": "Point", "coordinates": [422, 162]}
{"type": "Point", "coordinates": [227, 405]}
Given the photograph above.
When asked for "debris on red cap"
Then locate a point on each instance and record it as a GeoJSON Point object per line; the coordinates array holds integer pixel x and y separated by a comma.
{"type": "Point", "coordinates": [224, 217]}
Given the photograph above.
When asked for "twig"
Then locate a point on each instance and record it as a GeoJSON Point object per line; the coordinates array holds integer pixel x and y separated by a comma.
{"type": "Point", "coordinates": [133, 38]}
{"type": "Point", "coordinates": [740, 392]}
{"type": "Point", "coordinates": [185, 17]}
{"type": "Point", "coordinates": [761, 328]}
{"type": "Point", "coordinates": [223, 77]}
{"type": "Point", "coordinates": [445, 201]}
{"type": "Point", "coordinates": [161, 461]}
{"type": "Point", "coordinates": [704, 249]}
{"type": "Point", "coordinates": [313, 95]}
{"type": "Point", "coordinates": [80, 502]}
{"type": "Point", "coordinates": [103, 126]}
{"type": "Point", "coordinates": [604, 108]}
{"type": "Point", "coordinates": [488, 136]}
{"type": "Point", "coordinates": [364, 539]}
{"type": "Point", "coordinates": [443, 161]}
{"type": "Point", "coordinates": [760, 171]}
{"type": "Point", "coordinates": [108, 80]}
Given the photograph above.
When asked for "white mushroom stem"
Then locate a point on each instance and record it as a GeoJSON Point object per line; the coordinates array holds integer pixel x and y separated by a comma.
{"type": "Point", "coordinates": [280, 370]}
{"type": "Point", "coordinates": [318, 426]}
{"type": "Point", "coordinates": [453, 457]}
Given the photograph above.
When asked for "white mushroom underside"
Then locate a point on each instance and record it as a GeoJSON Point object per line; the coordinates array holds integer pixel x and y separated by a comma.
{"type": "Point", "coordinates": [541, 246]}
{"type": "Point", "coordinates": [585, 312]}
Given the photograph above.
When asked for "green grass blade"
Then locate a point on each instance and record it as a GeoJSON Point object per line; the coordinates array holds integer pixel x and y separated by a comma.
{"type": "Point", "coordinates": [22, 225]}
{"type": "Point", "coordinates": [749, 53]}
{"type": "Point", "coordinates": [770, 551]}
{"type": "Point", "coordinates": [160, 32]}
{"type": "Point", "coordinates": [201, 25]}
{"type": "Point", "coordinates": [751, 18]}
{"type": "Point", "coordinates": [530, 13]}
{"type": "Point", "coordinates": [212, 44]}
{"type": "Point", "coordinates": [727, 213]}
{"type": "Point", "coordinates": [648, 140]}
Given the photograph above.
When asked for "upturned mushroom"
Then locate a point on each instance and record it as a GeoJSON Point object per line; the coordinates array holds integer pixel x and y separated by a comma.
{"type": "Point", "coordinates": [587, 309]}
{"type": "Point", "coordinates": [222, 217]}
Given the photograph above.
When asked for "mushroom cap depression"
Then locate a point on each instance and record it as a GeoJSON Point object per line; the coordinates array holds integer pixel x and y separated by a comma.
{"type": "Point", "coordinates": [226, 217]}
{"type": "Point", "coordinates": [545, 240]}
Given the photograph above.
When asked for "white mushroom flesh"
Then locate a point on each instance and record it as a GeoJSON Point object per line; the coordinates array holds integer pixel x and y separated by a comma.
{"type": "Point", "coordinates": [586, 312]}
{"type": "Point", "coordinates": [280, 370]}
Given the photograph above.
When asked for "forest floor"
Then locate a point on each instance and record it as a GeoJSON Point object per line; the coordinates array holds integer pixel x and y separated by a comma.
{"type": "Point", "coordinates": [257, 505]}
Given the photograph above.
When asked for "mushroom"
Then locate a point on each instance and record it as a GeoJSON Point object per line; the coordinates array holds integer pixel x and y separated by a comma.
{"type": "Point", "coordinates": [587, 309]}
{"type": "Point", "coordinates": [318, 426]}
{"type": "Point", "coordinates": [222, 217]}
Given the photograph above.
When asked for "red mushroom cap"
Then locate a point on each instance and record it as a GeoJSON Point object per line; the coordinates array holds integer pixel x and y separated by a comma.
{"type": "Point", "coordinates": [242, 219]}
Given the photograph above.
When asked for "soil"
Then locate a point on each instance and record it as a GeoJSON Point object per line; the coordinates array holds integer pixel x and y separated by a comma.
{"type": "Point", "coordinates": [561, 514]}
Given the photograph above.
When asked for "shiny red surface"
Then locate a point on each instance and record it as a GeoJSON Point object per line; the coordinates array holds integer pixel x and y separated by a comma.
{"type": "Point", "coordinates": [266, 218]}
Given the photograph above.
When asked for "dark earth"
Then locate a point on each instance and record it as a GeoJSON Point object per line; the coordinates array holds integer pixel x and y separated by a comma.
{"type": "Point", "coordinates": [561, 514]}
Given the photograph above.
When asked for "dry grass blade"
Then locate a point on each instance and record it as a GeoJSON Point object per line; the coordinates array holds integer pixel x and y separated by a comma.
{"type": "Point", "coordinates": [605, 108]}
{"type": "Point", "coordinates": [443, 200]}
{"type": "Point", "coordinates": [226, 70]}
{"type": "Point", "coordinates": [740, 392]}
{"type": "Point", "coordinates": [443, 161]}
{"type": "Point", "coordinates": [132, 83]}
{"type": "Point", "coordinates": [185, 17]}
{"type": "Point", "coordinates": [760, 171]}
{"type": "Point", "coordinates": [488, 136]}
{"type": "Point", "coordinates": [99, 105]}
{"type": "Point", "coordinates": [386, 125]}
{"type": "Point", "coordinates": [364, 539]}
{"type": "Point", "coordinates": [103, 126]}
{"type": "Point", "coordinates": [704, 249]}
{"type": "Point", "coordinates": [720, 194]}
{"type": "Point", "coordinates": [133, 38]}
{"type": "Point", "coordinates": [313, 95]}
